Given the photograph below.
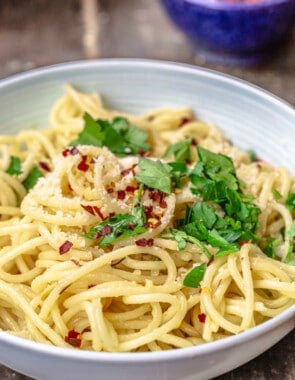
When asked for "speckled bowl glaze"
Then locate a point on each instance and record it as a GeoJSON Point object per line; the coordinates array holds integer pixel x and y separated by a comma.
{"type": "Point", "coordinates": [240, 32]}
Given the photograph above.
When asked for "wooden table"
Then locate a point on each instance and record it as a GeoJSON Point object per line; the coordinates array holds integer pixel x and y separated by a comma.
{"type": "Point", "coordinates": [37, 33]}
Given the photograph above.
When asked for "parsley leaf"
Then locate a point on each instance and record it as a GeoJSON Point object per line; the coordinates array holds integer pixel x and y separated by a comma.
{"type": "Point", "coordinates": [291, 232]}
{"type": "Point", "coordinates": [225, 217]}
{"type": "Point", "coordinates": [290, 202]}
{"type": "Point", "coordinates": [121, 226]}
{"type": "Point", "coordinates": [277, 194]}
{"type": "Point", "coordinates": [119, 136]}
{"type": "Point", "coordinates": [181, 150]}
{"type": "Point", "coordinates": [194, 277]}
{"type": "Point", "coordinates": [252, 155]}
{"type": "Point", "coordinates": [92, 134]}
{"type": "Point", "coordinates": [178, 171]}
{"type": "Point", "coordinates": [32, 178]}
{"type": "Point", "coordinates": [182, 238]}
{"type": "Point", "coordinates": [218, 167]}
{"type": "Point", "coordinates": [14, 166]}
{"type": "Point", "coordinates": [115, 228]}
{"type": "Point", "coordinates": [270, 248]}
{"type": "Point", "coordinates": [154, 174]}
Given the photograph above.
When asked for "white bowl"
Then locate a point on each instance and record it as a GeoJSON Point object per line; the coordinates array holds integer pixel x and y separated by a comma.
{"type": "Point", "coordinates": [249, 116]}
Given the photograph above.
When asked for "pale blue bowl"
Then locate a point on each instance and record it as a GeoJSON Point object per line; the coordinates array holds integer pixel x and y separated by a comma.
{"type": "Point", "coordinates": [248, 115]}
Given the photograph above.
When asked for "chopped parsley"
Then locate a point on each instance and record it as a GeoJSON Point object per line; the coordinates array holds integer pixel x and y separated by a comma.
{"type": "Point", "coordinates": [291, 232]}
{"type": "Point", "coordinates": [194, 277]}
{"type": "Point", "coordinates": [224, 218]}
{"type": "Point", "coordinates": [181, 151]}
{"type": "Point", "coordinates": [252, 155]}
{"type": "Point", "coordinates": [14, 166]}
{"type": "Point", "coordinates": [155, 175]}
{"type": "Point", "coordinates": [290, 202]}
{"type": "Point", "coordinates": [119, 136]}
{"type": "Point", "coordinates": [277, 194]}
{"type": "Point", "coordinates": [120, 226]}
{"type": "Point", "coordinates": [32, 178]}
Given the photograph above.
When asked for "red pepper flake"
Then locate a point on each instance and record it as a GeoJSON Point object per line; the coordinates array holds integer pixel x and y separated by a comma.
{"type": "Point", "coordinates": [66, 152]}
{"type": "Point", "coordinates": [44, 166]}
{"type": "Point", "coordinates": [131, 189]}
{"type": "Point", "coordinates": [130, 226]}
{"type": "Point", "coordinates": [98, 212]}
{"type": "Point", "coordinates": [65, 247]}
{"type": "Point", "coordinates": [153, 223]}
{"type": "Point", "coordinates": [210, 260]}
{"type": "Point", "coordinates": [83, 166]}
{"type": "Point", "coordinates": [145, 242]}
{"type": "Point", "coordinates": [194, 142]}
{"type": "Point", "coordinates": [241, 243]}
{"type": "Point", "coordinates": [76, 262]}
{"type": "Point", "coordinates": [202, 317]}
{"type": "Point", "coordinates": [155, 195]}
{"type": "Point", "coordinates": [74, 151]}
{"type": "Point", "coordinates": [106, 230]}
{"type": "Point", "coordinates": [97, 235]}
{"type": "Point", "coordinates": [121, 194]}
{"type": "Point", "coordinates": [89, 209]}
{"type": "Point", "coordinates": [129, 170]}
{"type": "Point", "coordinates": [74, 338]}
{"type": "Point", "coordinates": [158, 196]}
{"type": "Point", "coordinates": [162, 202]}
{"type": "Point", "coordinates": [144, 153]}
{"type": "Point", "coordinates": [111, 214]}
{"type": "Point", "coordinates": [148, 210]}
{"type": "Point", "coordinates": [183, 121]}
{"type": "Point", "coordinates": [90, 286]}
{"type": "Point", "coordinates": [110, 190]}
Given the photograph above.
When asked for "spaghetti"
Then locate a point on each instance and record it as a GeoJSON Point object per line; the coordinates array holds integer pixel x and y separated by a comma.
{"type": "Point", "coordinates": [96, 254]}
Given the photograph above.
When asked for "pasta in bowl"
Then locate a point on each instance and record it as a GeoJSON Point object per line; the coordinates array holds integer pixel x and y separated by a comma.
{"type": "Point", "coordinates": [123, 233]}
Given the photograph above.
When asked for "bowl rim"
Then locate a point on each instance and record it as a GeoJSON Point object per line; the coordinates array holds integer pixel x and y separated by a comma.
{"type": "Point", "coordinates": [177, 354]}
{"type": "Point", "coordinates": [43, 71]}
{"type": "Point", "coordinates": [236, 6]}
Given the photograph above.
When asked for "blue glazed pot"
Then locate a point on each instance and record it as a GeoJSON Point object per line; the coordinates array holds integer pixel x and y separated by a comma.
{"type": "Point", "coordinates": [234, 33]}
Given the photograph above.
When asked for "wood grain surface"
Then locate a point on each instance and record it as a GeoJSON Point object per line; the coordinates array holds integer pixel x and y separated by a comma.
{"type": "Point", "coordinates": [36, 33]}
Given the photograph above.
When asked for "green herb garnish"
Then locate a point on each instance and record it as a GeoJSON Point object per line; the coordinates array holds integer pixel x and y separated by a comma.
{"type": "Point", "coordinates": [14, 166]}
{"type": "Point", "coordinates": [181, 151]}
{"type": "Point", "coordinates": [182, 238]}
{"type": "Point", "coordinates": [119, 136]}
{"type": "Point", "coordinates": [32, 178]}
{"type": "Point", "coordinates": [121, 226]}
{"type": "Point", "coordinates": [290, 202]}
{"type": "Point", "coordinates": [194, 277]}
{"type": "Point", "coordinates": [252, 155]}
{"type": "Point", "coordinates": [277, 194]}
{"type": "Point", "coordinates": [155, 175]}
{"type": "Point", "coordinates": [217, 167]}
{"type": "Point", "coordinates": [215, 181]}
{"type": "Point", "coordinates": [291, 231]}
